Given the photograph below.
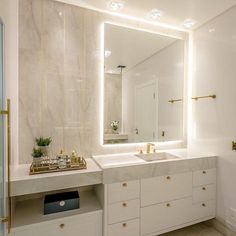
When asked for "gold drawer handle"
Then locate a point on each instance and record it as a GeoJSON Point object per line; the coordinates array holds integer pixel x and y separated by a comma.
{"type": "Point", "coordinates": [203, 204]}
{"type": "Point", "coordinates": [203, 188]}
{"type": "Point", "coordinates": [168, 177]}
{"type": "Point", "coordinates": [124, 204]}
{"type": "Point", "coordinates": [204, 172]}
{"type": "Point", "coordinates": [168, 204]}
{"type": "Point", "coordinates": [124, 225]}
{"type": "Point", "coordinates": [62, 226]}
{"type": "Point", "coordinates": [124, 184]}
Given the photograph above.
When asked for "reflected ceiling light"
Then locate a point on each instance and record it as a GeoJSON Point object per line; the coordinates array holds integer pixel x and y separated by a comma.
{"type": "Point", "coordinates": [155, 14]}
{"type": "Point", "coordinates": [115, 5]}
{"type": "Point", "coordinates": [110, 72]}
{"type": "Point", "coordinates": [107, 53]}
{"type": "Point", "coordinates": [189, 23]}
{"type": "Point", "coordinates": [212, 30]}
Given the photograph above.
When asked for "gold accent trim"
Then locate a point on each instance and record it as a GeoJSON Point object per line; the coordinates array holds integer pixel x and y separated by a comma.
{"type": "Point", "coordinates": [7, 112]}
{"type": "Point", "coordinates": [62, 226]}
{"type": "Point", "coordinates": [4, 219]}
{"type": "Point", "coordinates": [45, 166]}
{"type": "Point", "coordinates": [175, 100]}
{"type": "Point", "coordinates": [213, 96]}
{"type": "Point", "coordinates": [233, 145]}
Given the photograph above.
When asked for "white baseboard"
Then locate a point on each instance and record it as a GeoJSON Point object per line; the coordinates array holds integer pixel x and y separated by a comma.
{"type": "Point", "coordinates": [221, 227]}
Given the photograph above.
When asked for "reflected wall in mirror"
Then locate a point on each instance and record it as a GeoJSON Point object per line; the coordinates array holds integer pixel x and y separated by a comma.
{"type": "Point", "coordinates": [143, 76]}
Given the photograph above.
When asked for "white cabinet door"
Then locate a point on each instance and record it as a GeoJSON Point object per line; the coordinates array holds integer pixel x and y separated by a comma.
{"type": "Point", "coordinates": [121, 211]}
{"type": "Point", "coordinates": [123, 191]}
{"type": "Point", "coordinates": [203, 209]}
{"type": "Point", "coordinates": [127, 228]}
{"type": "Point", "coordinates": [86, 225]}
{"type": "Point", "coordinates": [161, 216]}
{"type": "Point", "coordinates": [204, 177]}
{"type": "Point", "coordinates": [204, 193]}
{"type": "Point", "coordinates": [165, 188]}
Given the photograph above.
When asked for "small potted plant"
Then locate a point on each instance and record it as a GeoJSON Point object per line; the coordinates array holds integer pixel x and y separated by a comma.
{"type": "Point", "coordinates": [43, 144]}
{"type": "Point", "coordinates": [37, 155]}
{"type": "Point", "coordinates": [115, 126]}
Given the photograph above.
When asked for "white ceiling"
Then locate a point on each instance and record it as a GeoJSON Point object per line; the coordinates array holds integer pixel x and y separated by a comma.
{"type": "Point", "coordinates": [175, 11]}
{"type": "Point", "coordinates": [130, 47]}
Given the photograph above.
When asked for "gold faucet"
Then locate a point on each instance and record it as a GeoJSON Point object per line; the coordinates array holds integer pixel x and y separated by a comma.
{"type": "Point", "coordinates": [149, 145]}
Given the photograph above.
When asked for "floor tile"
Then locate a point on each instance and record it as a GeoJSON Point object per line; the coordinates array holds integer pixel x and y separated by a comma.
{"type": "Point", "coordinates": [195, 230]}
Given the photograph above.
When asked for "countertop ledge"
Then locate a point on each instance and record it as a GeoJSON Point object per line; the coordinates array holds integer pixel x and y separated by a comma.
{"type": "Point", "coordinates": [102, 169]}
{"type": "Point", "coordinates": [127, 167]}
{"type": "Point", "coordinates": [22, 183]}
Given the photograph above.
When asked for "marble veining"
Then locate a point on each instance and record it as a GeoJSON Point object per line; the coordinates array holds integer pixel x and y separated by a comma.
{"type": "Point", "coordinates": [138, 170]}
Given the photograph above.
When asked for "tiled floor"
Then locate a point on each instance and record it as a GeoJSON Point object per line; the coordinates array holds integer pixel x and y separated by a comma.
{"type": "Point", "coordinates": [195, 230]}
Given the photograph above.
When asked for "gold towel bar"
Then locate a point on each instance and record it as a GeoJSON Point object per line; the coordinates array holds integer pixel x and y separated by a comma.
{"type": "Point", "coordinates": [213, 96]}
{"type": "Point", "coordinates": [175, 100]}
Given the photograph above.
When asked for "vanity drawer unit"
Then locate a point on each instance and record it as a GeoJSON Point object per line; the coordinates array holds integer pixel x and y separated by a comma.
{"type": "Point", "coordinates": [203, 177]}
{"type": "Point", "coordinates": [128, 228]}
{"type": "Point", "coordinates": [123, 191]}
{"type": "Point", "coordinates": [123, 210]}
{"type": "Point", "coordinates": [156, 205]}
{"type": "Point", "coordinates": [164, 215]}
{"type": "Point", "coordinates": [204, 193]}
{"type": "Point", "coordinates": [165, 188]}
{"type": "Point", "coordinates": [89, 225]}
{"type": "Point", "coordinates": [126, 210]}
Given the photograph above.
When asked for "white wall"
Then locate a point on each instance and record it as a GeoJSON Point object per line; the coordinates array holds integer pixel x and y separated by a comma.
{"type": "Point", "coordinates": [214, 126]}
{"type": "Point", "coordinates": [167, 68]}
{"type": "Point", "coordinates": [9, 16]}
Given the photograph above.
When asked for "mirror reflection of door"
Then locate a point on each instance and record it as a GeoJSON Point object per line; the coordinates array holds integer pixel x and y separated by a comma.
{"type": "Point", "coordinates": [146, 111]}
{"type": "Point", "coordinates": [137, 65]}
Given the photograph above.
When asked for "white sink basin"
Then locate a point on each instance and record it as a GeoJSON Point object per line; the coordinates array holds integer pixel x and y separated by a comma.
{"type": "Point", "coordinates": [117, 160]}
{"type": "Point", "coordinates": [157, 156]}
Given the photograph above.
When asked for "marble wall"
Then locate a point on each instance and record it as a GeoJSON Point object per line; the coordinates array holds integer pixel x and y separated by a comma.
{"type": "Point", "coordinates": [112, 101]}
{"type": "Point", "coordinates": [60, 76]}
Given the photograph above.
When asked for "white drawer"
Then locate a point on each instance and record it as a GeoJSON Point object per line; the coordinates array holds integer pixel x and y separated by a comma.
{"type": "Point", "coordinates": [89, 224]}
{"type": "Point", "coordinates": [161, 216]}
{"type": "Point", "coordinates": [127, 228]}
{"type": "Point", "coordinates": [125, 210]}
{"type": "Point", "coordinates": [204, 177]}
{"type": "Point", "coordinates": [165, 188]}
{"type": "Point", "coordinates": [123, 191]}
{"type": "Point", "coordinates": [204, 209]}
{"type": "Point", "coordinates": [204, 193]}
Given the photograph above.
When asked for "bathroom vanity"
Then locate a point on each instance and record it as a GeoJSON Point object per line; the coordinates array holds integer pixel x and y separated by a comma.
{"type": "Point", "coordinates": [28, 194]}
{"type": "Point", "coordinates": [123, 194]}
{"type": "Point", "coordinates": [154, 197]}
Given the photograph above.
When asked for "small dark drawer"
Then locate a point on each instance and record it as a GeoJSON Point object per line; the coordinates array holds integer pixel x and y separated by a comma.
{"type": "Point", "coordinates": [61, 202]}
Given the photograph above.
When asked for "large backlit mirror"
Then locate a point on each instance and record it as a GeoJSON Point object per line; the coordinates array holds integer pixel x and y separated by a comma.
{"type": "Point", "coordinates": [143, 86]}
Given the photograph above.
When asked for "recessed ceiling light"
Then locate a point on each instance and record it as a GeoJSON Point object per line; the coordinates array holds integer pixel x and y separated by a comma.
{"type": "Point", "coordinates": [107, 53]}
{"type": "Point", "coordinates": [116, 5]}
{"type": "Point", "coordinates": [189, 23]}
{"type": "Point", "coordinates": [155, 14]}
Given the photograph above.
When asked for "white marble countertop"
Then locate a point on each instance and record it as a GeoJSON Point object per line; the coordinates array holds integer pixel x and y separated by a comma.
{"type": "Point", "coordinates": [108, 169]}
{"type": "Point", "coordinates": [126, 167]}
{"type": "Point", "coordinates": [22, 183]}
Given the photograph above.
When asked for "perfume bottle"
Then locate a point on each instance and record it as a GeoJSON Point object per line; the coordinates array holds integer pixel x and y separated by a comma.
{"type": "Point", "coordinates": [61, 160]}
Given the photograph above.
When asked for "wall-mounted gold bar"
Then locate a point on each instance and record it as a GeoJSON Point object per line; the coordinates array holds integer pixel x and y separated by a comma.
{"type": "Point", "coordinates": [213, 96]}
{"type": "Point", "coordinates": [175, 100]}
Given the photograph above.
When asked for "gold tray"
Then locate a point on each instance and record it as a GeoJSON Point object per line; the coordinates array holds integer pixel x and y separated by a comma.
{"type": "Point", "coordinates": [47, 166]}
